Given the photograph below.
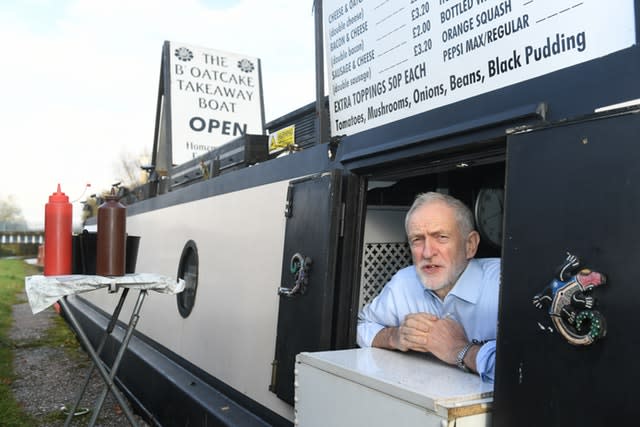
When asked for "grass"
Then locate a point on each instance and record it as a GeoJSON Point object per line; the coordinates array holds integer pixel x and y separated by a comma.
{"type": "Point", "coordinates": [59, 335]}
{"type": "Point", "coordinates": [12, 273]}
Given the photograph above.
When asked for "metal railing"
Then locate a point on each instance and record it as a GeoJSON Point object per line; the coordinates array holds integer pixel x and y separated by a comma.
{"type": "Point", "coordinates": [21, 237]}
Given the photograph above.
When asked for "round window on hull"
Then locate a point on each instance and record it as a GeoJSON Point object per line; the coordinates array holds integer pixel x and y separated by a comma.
{"type": "Point", "coordinates": [188, 271]}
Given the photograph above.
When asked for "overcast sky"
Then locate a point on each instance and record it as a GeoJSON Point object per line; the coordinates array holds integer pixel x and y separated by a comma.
{"type": "Point", "coordinates": [79, 81]}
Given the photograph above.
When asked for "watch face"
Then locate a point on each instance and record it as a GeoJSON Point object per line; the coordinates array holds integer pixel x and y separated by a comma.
{"type": "Point", "coordinates": [488, 212]}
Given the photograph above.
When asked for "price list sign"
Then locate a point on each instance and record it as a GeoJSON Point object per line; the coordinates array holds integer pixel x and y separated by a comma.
{"type": "Point", "coordinates": [391, 59]}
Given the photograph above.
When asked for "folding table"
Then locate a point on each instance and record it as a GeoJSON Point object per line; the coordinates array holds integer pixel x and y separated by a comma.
{"type": "Point", "coordinates": [43, 291]}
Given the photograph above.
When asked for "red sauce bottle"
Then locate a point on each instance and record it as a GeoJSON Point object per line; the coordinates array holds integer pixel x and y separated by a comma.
{"type": "Point", "coordinates": [112, 237]}
{"type": "Point", "coordinates": [57, 235]}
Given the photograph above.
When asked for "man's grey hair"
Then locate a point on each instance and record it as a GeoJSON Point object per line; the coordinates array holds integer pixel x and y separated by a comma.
{"type": "Point", "coordinates": [463, 214]}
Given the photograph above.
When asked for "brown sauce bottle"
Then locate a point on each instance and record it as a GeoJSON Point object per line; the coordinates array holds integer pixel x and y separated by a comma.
{"type": "Point", "coordinates": [112, 237]}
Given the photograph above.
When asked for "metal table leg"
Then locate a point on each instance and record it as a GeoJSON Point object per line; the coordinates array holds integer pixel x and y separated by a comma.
{"type": "Point", "coordinates": [135, 315]}
{"type": "Point", "coordinates": [107, 332]}
{"type": "Point", "coordinates": [96, 361]}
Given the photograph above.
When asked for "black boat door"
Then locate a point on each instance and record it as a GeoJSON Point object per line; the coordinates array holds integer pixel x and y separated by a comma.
{"type": "Point", "coordinates": [568, 342]}
{"type": "Point", "coordinates": [306, 318]}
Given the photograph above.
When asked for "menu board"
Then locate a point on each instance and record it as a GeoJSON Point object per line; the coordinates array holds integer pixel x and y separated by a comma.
{"type": "Point", "coordinates": [391, 59]}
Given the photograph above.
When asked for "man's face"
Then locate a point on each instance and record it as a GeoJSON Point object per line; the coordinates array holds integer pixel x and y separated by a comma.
{"type": "Point", "coordinates": [440, 252]}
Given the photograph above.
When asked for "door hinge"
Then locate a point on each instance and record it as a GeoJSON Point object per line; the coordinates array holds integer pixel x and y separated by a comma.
{"type": "Point", "coordinates": [288, 206]}
{"type": "Point", "coordinates": [274, 372]}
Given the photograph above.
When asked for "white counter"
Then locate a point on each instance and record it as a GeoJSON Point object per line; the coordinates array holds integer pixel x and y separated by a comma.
{"type": "Point", "coordinates": [375, 387]}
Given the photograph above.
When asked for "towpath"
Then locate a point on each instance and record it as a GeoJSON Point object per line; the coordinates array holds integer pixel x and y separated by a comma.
{"type": "Point", "coordinates": [49, 377]}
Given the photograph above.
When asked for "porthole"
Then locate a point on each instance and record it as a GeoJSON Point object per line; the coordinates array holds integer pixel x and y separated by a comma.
{"type": "Point", "coordinates": [188, 270]}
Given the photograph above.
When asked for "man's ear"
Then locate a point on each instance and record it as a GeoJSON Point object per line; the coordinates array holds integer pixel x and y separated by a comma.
{"type": "Point", "coordinates": [473, 240]}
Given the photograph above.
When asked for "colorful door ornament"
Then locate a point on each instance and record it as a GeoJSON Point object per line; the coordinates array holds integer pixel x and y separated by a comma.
{"type": "Point", "coordinates": [571, 305]}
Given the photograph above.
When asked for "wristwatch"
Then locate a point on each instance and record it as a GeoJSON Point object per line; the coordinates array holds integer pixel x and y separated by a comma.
{"type": "Point", "coordinates": [462, 353]}
{"type": "Point", "coordinates": [460, 358]}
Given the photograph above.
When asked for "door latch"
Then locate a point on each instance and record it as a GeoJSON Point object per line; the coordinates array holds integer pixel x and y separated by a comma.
{"type": "Point", "coordinates": [299, 267]}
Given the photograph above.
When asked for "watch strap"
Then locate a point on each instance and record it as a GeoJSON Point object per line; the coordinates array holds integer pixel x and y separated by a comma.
{"type": "Point", "coordinates": [463, 353]}
{"type": "Point", "coordinates": [460, 357]}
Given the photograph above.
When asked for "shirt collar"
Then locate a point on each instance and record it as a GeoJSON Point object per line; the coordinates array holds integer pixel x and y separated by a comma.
{"type": "Point", "coordinates": [468, 286]}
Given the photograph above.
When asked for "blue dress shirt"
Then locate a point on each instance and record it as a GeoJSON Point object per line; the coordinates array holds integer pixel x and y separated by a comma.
{"type": "Point", "coordinates": [473, 302]}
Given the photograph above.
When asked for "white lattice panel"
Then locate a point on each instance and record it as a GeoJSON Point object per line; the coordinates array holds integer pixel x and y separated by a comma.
{"type": "Point", "coordinates": [380, 262]}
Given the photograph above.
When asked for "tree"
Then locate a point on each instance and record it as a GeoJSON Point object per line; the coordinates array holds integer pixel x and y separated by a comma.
{"type": "Point", "coordinates": [131, 175]}
{"type": "Point", "coordinates": [130, 169]}
{"type": "Point", "coordinates": [11, 218]}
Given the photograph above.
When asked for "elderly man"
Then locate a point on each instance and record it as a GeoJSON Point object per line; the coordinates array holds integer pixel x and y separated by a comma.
{"type": "Point", "coordinates": [446, 303]}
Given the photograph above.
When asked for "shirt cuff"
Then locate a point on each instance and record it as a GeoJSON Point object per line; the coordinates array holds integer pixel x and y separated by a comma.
{"type": "Point", "coordinates": [367, 332]}
{"type": "Point", "coordinates": [486, 361]}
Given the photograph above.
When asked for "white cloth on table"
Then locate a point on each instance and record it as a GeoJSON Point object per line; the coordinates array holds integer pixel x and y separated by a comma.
{"type": "Point", "coordinates": [43, 291]}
